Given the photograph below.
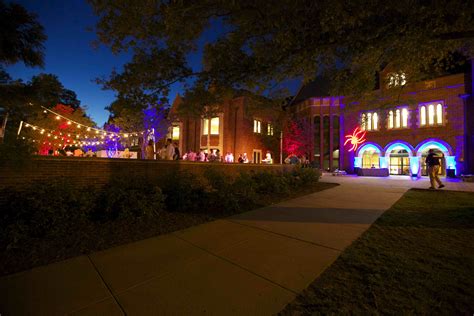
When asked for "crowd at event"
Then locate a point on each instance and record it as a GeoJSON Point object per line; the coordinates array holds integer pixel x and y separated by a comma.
{"type": "Point", "coordinates": [170, 151]}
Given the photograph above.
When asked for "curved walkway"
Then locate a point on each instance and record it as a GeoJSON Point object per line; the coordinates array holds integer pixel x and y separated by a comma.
{"type": "Point", "coordinates": [252, 263]}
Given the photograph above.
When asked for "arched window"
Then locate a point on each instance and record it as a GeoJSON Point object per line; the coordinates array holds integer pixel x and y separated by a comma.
{"type": "Point", "coordinates": [375, 118]}
{"type": "Point", "coordinates": [431, 114]}
{"type": "Point", "coordinates": [439, 114]}
{"type": "Point", "coordinates": [390, 119]}
{"type": "Point", "coordinates": [423, 115]}
{"type": "Point", "coordinates": [363, 122]}
{"type": "Point", "coordinates": [404, 117]}
{"type": "Point", "coordinates": [369, 121]}
{"type": "Point", "coordinates": [397, 118]}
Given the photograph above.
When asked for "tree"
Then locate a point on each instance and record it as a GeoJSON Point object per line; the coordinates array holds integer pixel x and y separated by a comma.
{"type": "Point", "coordinates": [22, 36]}
{"type": "Point", "coordinates": [296, 138]}
{"type": "Point", "coordinates": [262, 43]}
{"type": "Point", "coordinates": [47, 90]}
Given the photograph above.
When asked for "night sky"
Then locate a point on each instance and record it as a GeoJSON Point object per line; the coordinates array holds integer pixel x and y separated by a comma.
{"type": "Point", "coordinates": [69, 53]}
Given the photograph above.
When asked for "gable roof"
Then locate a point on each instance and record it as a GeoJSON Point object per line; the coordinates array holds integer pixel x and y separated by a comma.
{"type": "Point", "coordinates": [320, 87]}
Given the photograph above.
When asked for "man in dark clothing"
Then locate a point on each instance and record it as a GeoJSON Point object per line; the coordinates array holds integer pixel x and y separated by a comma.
{"type": "Point", "coordinates": [432, 164]}
{"type": "Point", "coordinates": [177, 154]}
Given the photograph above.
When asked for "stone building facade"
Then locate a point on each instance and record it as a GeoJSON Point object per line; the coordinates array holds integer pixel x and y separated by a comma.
{"type": "Point", "coordinates": [439, 116]}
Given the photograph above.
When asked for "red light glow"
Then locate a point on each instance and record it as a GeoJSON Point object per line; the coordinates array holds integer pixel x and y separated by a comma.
{"type": "Point", "coordinates": [355, 139]}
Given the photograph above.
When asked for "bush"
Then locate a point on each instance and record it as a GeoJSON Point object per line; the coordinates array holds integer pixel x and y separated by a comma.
{"type": "Point", "coordinates": [185, 192]}
{"type": "Point", "coordinates": [307, 176]}
{"type": "Point", "coordinates": [125, 198]}
{"type": "Point", "coordinates": [42, 209]}
{"type": "Point", "coordinates": [268, 183]}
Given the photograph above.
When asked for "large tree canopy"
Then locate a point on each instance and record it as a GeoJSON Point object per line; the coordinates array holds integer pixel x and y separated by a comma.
{"type": "Point", "coordinates": [264, 42]}
{"type": "Point", "coordinates": [21, 36]}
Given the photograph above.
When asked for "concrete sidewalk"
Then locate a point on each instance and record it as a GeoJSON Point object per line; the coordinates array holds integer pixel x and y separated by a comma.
{"type": "Point", "coordinates": [250, 264]}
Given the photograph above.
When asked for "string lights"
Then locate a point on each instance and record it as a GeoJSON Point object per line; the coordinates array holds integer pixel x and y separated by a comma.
{"type": "Point", "coordinates": [89, 128]}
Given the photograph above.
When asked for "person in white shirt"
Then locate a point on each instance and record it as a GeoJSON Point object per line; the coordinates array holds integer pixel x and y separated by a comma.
{"type": "Point", "coordinates": [170, 151]}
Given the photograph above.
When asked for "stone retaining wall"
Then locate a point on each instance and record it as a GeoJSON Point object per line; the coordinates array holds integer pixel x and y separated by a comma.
{"type": "Point", "coordinates": [98, 171]}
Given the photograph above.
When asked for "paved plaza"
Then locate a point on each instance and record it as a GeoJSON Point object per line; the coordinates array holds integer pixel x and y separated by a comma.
{"type": "Point", "coordinates": [250, 264]}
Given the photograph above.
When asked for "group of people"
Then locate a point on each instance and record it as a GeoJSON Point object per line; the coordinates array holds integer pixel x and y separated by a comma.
{"type": "Point", "coordinates": [294, 159]}
{"type": "Point", "coordinates": [169, 151]}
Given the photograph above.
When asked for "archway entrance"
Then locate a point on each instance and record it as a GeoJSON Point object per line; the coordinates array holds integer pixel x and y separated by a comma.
{"type": "Point", "coordinates": [399, 162]}
{"type": "Point", "coordinates": [442, 149]}
{"type": "Point", "coordinates": [371, 158]}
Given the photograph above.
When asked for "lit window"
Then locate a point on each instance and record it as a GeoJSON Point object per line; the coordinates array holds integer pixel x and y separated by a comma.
{"type": "Point", "coordinates": [397, 118]}
{"type": "Point", "coordinates": [270, 129]}
{"type": "Point", "coordinates": [439, 114]}
{"type": "Point", "coordinates": [390, 119]}
{"type": "Point", "coordinates": [205, 126]}
{"type": "Point", "coordinates": [423, 115]}
{"type": "Point", "coordinates": [404, 117]}
{"type": "Point", "coordinates": [396, 79]}
{"type": "Point", "coordinates": [369, 121]}
{"type": "Point", "coordinates": [431, 114]}
{"type": "Point", "coordinates": [175, 133]}
{"type": "Point", "coordinates": [215, 126]}
{"type": "Point", "coordinates": [257, 126]}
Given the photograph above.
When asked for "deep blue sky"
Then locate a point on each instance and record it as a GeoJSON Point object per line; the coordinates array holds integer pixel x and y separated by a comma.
{"type": "Point", "coordinates": [69, 53]}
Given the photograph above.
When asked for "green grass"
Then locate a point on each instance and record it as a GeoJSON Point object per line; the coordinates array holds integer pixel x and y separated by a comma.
{"type": "Point", "coordinates": [417, 258]}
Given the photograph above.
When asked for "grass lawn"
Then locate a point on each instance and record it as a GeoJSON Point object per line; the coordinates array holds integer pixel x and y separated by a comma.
{"type": "Point", "coordinates": [417, 258]}
{"type": "Point", "coordinates": [99, 236]}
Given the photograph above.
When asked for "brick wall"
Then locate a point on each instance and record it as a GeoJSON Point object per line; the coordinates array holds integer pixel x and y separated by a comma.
{"type": "Point", "coordinates": [98, 171]}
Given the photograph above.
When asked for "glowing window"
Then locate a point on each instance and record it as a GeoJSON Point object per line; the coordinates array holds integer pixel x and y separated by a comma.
{"type": "Point", "coordinates": [257, 126]}
{"type": "Point", "coordinates": [390, 119]}
{"type": "Point", "coordinates": [375, 119]}
{"type": "Point", "coordinates": [439, 114]}
{"type": "Point", "coordinates": [175, 133]}
{"type": "Point", "coordinates": [431, 114]}
{"type": "Point", "coordinates": [215, 126]}
{"type": "Point", "coordinates": [205, 126]}
{"type": "Point", "coordinates": [396, 79]}
{"type": "Point", "coordinates": [363, 122]}
{"type": "Point", "coordinates": [369, 121]}
{"type": "Point", "coordinates": [423, 115]}
{"type": "Point", "coordinates": [270, 129]}
{"type": "Point", "coordinates": [397, 118]}
{"type": "Point", "coordinates": [404, 117]}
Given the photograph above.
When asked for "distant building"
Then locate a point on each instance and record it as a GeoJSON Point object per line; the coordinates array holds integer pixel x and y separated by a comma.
{"type": "Point", "coordinates": [236, 129]}
{"type": "Point", "coordinates": [397, 137]}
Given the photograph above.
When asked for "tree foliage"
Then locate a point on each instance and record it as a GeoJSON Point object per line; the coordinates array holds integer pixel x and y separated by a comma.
{"type": "Point", "coordinates": [21, 36]}
{"type": "Point", "coordinates": [264, 42]}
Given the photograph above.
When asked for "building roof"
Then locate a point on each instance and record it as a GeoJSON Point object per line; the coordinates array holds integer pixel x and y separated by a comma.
{"type": "Point", "coordinates": [320, 87]}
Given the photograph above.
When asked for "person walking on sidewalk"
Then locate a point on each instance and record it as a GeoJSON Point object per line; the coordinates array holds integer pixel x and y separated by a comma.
{"type": "Point", "coordinates": [432, 163]}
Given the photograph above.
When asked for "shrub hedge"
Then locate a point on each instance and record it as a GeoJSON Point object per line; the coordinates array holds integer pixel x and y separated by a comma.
{"type": "Point", "coordinates": [53, 209]}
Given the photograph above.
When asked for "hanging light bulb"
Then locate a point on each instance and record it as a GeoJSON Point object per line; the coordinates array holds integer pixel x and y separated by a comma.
{"type": "Point", "coordinates": [88, 129]}
{"type": "Point", "coordinates": [26, 125]}
{"type": "Point", "coordinates": [34, 128]}
{"type": "Point", "coordinates": [68, 122]}
{"type": "Point", "coordinates": [58, 117]}
{"type": "Point", "coordinates": [78, 125]}
{"type": "Point", "coordinates": [49, 135]}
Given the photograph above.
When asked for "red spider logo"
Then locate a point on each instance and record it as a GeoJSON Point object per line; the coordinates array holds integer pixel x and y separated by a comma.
{"type": "Point", "coordinates": [355, 139]}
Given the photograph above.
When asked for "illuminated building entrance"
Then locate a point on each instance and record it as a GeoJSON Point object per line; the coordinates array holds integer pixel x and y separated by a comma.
{"type": "Point", "coordinates": [399, 162]}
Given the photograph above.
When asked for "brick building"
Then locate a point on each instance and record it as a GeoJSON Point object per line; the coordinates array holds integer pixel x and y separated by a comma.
{"type": "Point", "coordinates": [236, 129]}
{"type": "Point", "coordinates": [439, 116]}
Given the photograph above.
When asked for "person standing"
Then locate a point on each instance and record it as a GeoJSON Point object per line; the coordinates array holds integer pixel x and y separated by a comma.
{"type": "Point", "coordinates": [432, 163]}
{"type": "Point", "coordinates": [169, 149]}
{"type": "Point", "coordinates": [150, 150]}
{"type": "Point", "coordinates": [177, 154]}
